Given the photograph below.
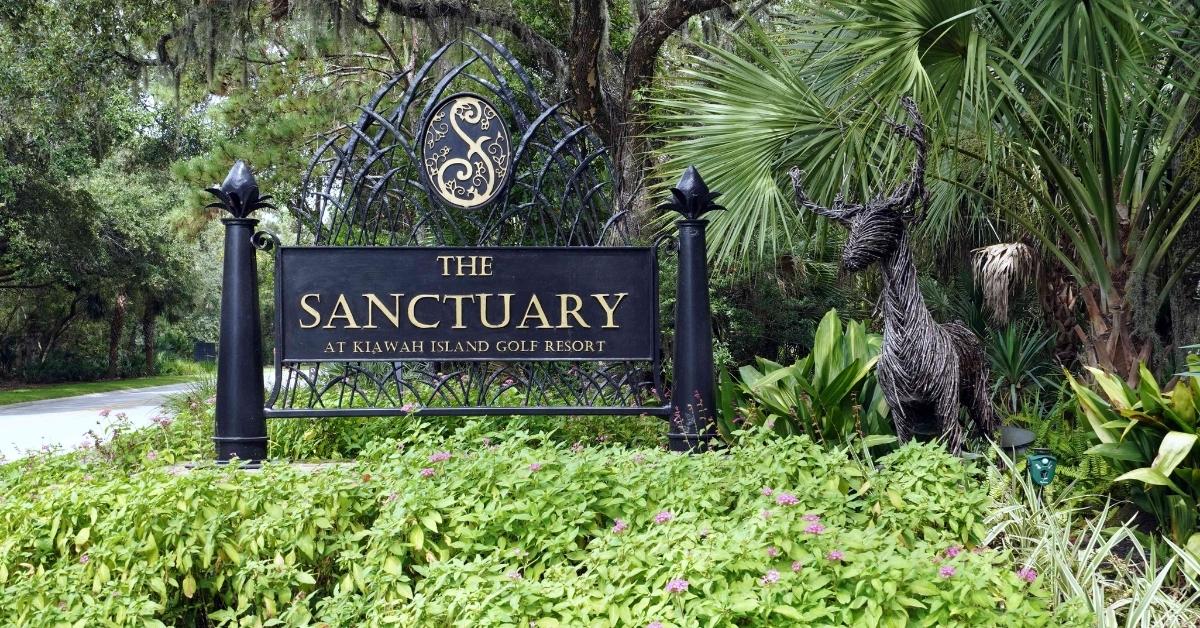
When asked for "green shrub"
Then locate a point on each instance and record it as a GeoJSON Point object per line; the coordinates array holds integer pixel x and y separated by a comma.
{"type": "Point", "coordinates": [831, 394]}
{"type": "Point", "coordinates": [505, 527]}
{"type": "Point", "coordinates": [1059, 429]}
{"type": "Point", "coordinates": [1151, 435]}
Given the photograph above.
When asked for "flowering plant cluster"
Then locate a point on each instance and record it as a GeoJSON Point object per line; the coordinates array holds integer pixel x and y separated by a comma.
{"type": "Point", "coordinates": [486, 526]}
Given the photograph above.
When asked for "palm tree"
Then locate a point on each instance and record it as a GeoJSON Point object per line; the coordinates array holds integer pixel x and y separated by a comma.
{"type": "Point", "coordinates": [1077, 106]}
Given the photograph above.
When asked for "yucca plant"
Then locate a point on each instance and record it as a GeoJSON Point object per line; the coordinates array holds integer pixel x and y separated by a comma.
{"type": "Point", "coordinates": [831, 394]}
{"type": "Point", "coordinates": [1019, 363]}
{"type": "Point", "coordinates": [1151, 434]}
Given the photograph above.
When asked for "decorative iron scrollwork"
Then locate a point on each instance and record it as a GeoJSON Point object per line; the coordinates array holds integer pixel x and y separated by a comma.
{"type": "Point", "coordinates": [466, 152]}
{"type": "Point", "coordinates": [552, 183]}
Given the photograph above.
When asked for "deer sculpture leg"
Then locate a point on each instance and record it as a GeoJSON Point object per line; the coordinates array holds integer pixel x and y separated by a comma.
{"type": "Point", "coordinates": [900, 419]}
{"type": "Point", "coordinates": [947, 416]}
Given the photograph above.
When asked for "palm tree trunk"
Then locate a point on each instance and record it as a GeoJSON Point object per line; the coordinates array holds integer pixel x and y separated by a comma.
{"type": "Point", "coordinates": [149, 321]}
{"type": "Point", "coordinates": [1110, 342]}
{"type": "Point", "coordinates": [114, 331]}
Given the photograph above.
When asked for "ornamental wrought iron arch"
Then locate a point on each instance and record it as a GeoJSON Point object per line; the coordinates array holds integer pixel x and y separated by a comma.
{"type": "Point", "coordinates": [366, 187]}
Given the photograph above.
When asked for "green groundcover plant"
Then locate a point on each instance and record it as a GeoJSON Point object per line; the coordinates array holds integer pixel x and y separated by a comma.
{"type": "Point", "coordinates": [490, 525]}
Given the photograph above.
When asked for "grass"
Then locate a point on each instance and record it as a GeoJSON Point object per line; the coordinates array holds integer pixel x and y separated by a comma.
{"type": "Point", "coordinates": [71, 389]}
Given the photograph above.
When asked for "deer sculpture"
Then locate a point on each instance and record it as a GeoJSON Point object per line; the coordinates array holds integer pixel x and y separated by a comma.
{"type": "Point", "coordinates": [926, 369]}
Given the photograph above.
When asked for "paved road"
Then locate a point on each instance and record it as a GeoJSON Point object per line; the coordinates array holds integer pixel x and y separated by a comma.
{"type": "Point", "coordinates": [64, 421]}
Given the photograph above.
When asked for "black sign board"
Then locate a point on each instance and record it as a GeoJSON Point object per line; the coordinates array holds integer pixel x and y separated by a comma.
{"type": "Point", "coordinates": [440, 303]}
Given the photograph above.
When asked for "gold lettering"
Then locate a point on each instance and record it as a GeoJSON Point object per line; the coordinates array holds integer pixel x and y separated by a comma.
{"type": "Point", "coordinates": [541, 314]}
{"type": "Point", "coordinates": [610, 310]}
{"type": "Point", "coordinates": [458, 299]}
{"type": "Point", "coordinates": [373, 302]}
{"type": "Point", "coordinates": [573, 312]}
{"type": "Point", "coordinates": [483, 318]}
{"type": "Point", "coordinates": [310, 309]}
{"type": "Point", "coordinates": [466, 265]}
{"type": "Point", "coordinates": [347, 314]}
{"type": "Point", "coordinates": [412, 311]}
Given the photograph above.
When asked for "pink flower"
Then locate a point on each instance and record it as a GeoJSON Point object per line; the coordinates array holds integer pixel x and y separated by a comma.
{"type": "Point", "coordinates": [536, 466]}
{"type": "Point", "coordinates": [678, 585]}
{"type": "Point", "coordinates": [83, 559]}
{"type": "Point", "coordinates": [1027, 574]}
{"type": "Point", "coordinates": [765, 514]}
{"type": "Point", "coordinates": [638, 458]}
{"type": "Point", "coordinates": [654, 624]}
{"type": "Point", "coordinates": [427, 472]}
{"type": "Point", "coordinates": [664, 517]}
{"type": "Point", "coordinates": [811, 518]}
{"type": "Point", "coordinates": [772, 551]}
{"type": "Point", "coordinates": [151, 455]}
{"type": "Point", "coordinates": [408, 408]}
{"type": "Point", "coordinates": [440, 456]}
{"type": "Point", "coordinates": [508, 381]}
{"type": "Point", "coordinates": [391, 497]}
{"type": "Point", "coordinates": [796, 565]}
{"type": "Point", "coordinates": [835, 555]}
{"type": "Point", "coordinates": [619, 526]}
{"type": "Point", "coordinates": [815, 528]}
{"type": "Point", "coordinates": [953, 551]}
{"type": "Point", "coordinates": [769, 578]}
{"type": "Point", "coordinates": [105, 412]}
{"type": "Point", "coordinates": [946, 571]}
{"type": "Point", "coordinates": [577, 447]}
{"type": "Point", "coordinates": [766, 491]}
{"type": "Point", "coordinates": [514, 575]}
{"type": "Point", "coordinates": [786, 499]}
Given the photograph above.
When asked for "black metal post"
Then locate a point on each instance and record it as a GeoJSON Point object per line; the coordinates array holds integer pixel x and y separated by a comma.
{"type": "Point", "coordinates": [693, 400]}
{"type": "Point", "coordinates": [241, 428]}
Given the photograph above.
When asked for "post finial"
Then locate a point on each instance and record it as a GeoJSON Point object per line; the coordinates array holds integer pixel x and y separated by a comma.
{"type": "Point", "coordinates": [691, 196]}
{"type": "Point", "coordinates": [238, 194]}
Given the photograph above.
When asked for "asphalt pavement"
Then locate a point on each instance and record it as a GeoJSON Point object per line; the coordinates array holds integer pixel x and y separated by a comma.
{"type": "Point", "coordinates": [65, 421]}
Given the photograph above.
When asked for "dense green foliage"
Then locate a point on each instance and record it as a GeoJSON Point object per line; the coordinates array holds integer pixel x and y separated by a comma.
{"type": "Point", "coordinates": [503, 526]}
{"type": "Point", "coordinates": [1151, 436]}
{"type": "Point", "coordinates": [831, 395]}
{"type": "Point", "coordinates": [1066, 125]}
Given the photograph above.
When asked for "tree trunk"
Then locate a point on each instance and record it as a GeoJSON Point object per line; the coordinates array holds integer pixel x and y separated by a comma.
{"type": "Point", "coordinates": [114, 331]}
{"type": "Point", "coordinates": [1110, 342]}
{"type": "Point", "coordinates": [131, 346]}
{"type": "Point", "coordinates": [58, 330]}
{"type": "Point", "coordinates": [149, 340]}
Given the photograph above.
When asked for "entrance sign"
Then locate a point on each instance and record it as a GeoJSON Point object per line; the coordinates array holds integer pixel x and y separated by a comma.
{"type": "Point", "coordinates": [438, 303]}
{"type": "Point", "coordinates": [462, 249]}
{"type": "Point", "coordinates": [466, 152]}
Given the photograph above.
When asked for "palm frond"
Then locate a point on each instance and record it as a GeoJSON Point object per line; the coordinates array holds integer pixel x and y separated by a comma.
{"type": "Point", "coordinates": [1000, 270]}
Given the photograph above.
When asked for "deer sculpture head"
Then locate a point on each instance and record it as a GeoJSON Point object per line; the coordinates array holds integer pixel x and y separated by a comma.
{"type": "Point", "coordinates": [876, 227]}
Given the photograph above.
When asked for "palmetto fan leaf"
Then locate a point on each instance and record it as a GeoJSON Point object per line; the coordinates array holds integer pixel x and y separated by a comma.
{"type": "Point", "coordinates": [743, 118]}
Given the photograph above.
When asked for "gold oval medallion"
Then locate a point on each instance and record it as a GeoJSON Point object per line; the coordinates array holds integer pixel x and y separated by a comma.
{"type": "Point", "coordinates": [465, 148]}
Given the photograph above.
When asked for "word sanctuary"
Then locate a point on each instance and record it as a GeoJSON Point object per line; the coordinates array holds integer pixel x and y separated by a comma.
{"type": "Point", "coordinates": [461, 311]}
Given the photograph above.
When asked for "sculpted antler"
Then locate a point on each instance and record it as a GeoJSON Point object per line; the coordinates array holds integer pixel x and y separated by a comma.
{"type": "Point", "coordinates": [908, 193]}
{"type": "Point", "coordinates": [904, 196]}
